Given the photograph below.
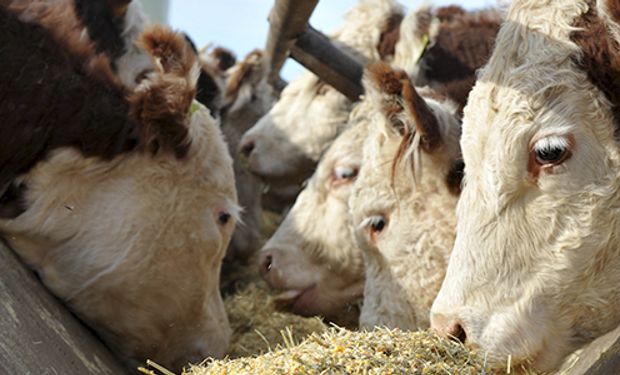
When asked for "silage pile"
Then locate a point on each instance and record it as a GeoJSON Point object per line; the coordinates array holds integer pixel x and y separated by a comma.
{"type": "Point", "coordinates": [340, 351]}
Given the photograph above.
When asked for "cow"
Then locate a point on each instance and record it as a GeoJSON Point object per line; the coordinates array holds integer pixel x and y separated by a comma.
{"type": "Point", "coordinates": [301, 243]}
{"type": "Point", "coordinates": [534, 270]}
{"type": "Point", "coordinates": [122, 201]}
{"type": "Point", "coordinates": [247, 97]}
{"type": "Point", "coordinates": [312, 258]}
{"type": "Point", "coordinates": [112, 25]}
{"type": "Point", "coordinates": [285, 144]}
{"type": "Point", "coordinates": [402, 203]}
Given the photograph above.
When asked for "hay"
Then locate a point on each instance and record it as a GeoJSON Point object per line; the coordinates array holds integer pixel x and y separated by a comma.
{"type": "Point", "coordinates": [340, 351]}
{"type": "Point", "coordinates": [257, 326]}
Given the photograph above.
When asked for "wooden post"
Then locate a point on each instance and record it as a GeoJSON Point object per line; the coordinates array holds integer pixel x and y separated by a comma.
{"type": "Point", "coordinates": [288, 19]}
{"type": "Point", "coordinates": [37, 333]}
{"type": "Point", "coordinates": [318, 54]}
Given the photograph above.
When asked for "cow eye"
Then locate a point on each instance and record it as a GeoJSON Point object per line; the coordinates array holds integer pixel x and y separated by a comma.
{"type": "Point", "coordinates": [223, 217]}
{"type": "Point", "coordinates": [344, 174]}
{"type": "Point", "coordinates": [552, 150]}
{"type": "Point", "coordinates": [375, 225]}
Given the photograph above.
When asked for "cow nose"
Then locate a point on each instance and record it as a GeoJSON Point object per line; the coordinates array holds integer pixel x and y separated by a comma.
{"type": "Point", "coordinates": [247, 147]}
{"type": "Point", "coordinates": [448, 327]}
{"type": "Point", "coordinates": [265, 263]}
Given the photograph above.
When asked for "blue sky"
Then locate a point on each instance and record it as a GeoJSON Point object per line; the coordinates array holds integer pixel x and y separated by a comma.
{"type": "Point", "coordinates": [241, 25]}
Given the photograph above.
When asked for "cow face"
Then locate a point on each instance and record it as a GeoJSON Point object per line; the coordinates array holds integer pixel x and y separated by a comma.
{"type": "Point", "coordinates": [285, 144]}
{"type": "Point", "coordinates": [312, 257]}
{"type": "Point", "coordinates": [132, 241]}
{"type": "Point", "coordinates": [534, 266]}
{"type": "Point", "coordinates": [401, 206]}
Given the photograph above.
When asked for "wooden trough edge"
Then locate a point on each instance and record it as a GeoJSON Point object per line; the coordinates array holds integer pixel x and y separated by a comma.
{"type": "Point", "coordinates": [39, 335]}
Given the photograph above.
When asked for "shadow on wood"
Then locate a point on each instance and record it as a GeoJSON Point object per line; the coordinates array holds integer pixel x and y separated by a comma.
{"type": "Point", "coordinates": [38, 334]}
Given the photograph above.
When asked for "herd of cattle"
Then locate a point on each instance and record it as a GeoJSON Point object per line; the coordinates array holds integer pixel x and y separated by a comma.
{"type": "Point", "coordinates": [474, 188]}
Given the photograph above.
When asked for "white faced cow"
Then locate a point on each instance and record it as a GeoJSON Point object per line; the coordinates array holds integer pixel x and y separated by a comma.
{"type": "Point", "coordinates": [122, 201]}
{"type": "Point", "coordinates": [305, 251]}
{"type": "Point", "coordinates": [535, 269]}
{"type": "Point", "coordinates": [285, 144]}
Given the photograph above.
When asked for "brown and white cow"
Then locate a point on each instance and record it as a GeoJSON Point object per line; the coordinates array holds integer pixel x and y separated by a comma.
{"type": "Point", "coordinates": [122, 201]}
{"type": "Point", "coordinates": [285, 144]}
{"type": "Point", "coordinates": [535, 266]}
{"type": "Point", "coordinates": [248, 97]}
{"type": "Point", "coordinates": [304, 241]}
{"type": "Point", "coordinates": [312, 257]}
{"type": "Point", "coordinates": [402, 203]}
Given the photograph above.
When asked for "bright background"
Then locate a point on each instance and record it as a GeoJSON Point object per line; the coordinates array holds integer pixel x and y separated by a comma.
{"type": "Point", "coordinates": [241, 25]}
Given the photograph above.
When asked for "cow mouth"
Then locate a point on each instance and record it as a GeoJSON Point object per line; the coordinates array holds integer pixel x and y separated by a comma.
{"type": "Point", "coordinates": [297, 301]}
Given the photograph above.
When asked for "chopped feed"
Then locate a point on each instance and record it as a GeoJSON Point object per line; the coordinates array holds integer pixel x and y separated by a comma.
{"type": "Point", "coordinates": [257, 326]}
{"type": "Point", "coordinates": [340, 351]}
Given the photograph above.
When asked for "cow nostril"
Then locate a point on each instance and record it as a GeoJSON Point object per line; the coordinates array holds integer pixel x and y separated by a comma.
{"type": "Point", "coordinates": [456, 332]}
{"type": "Point", "coordinates": [266, 264]}
{"type": "Point", "coordinates": [247, 148]}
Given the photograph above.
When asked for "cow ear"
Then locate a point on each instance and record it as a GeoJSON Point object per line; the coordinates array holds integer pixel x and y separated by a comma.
{"type": "Point", "coordinates": [402, 105]}
{"type": "Point", "coordinates": [161, 103]}
{"type": "Point", "coordinates": [383, 86]}
{"type": "Point", "coordinates": [250, 71]}
{"type": "Point", "coordinates": [224, 58]}
{"type": "Point", "coordinates": [422, 116]}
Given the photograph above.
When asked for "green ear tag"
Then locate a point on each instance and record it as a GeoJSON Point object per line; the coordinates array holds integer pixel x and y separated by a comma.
{"type": "Point", "coordinates": [425, 41]}
{"type": "Point", "coordinates": [195, 107]}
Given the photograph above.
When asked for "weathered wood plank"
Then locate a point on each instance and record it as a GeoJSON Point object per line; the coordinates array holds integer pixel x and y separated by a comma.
{"type": "Point", "coordinates": [38, 335]}
{"type": "Point", "coordinates": [601, 357]}
{"type": "Point", "coordinates": [287, 20]}
{"type": "Point", "coordinates": [318, 54]}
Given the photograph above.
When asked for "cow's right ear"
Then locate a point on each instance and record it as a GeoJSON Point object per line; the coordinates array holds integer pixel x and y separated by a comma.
{"type": "Point", "coordinates": [161, 103]}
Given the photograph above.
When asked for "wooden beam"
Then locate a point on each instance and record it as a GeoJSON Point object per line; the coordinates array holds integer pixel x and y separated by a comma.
{"type": "Point", "coordinates": [600, 357]}
{"type": "Point", "coordinates": [287, 20]}
{"type": "Point", "coordinates": [38, 334]}
{"type": "Point", "coordinates": [318, 54]}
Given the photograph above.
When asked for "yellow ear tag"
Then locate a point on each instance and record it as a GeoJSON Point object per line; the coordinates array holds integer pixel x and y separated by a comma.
{"type": "Point", "coordinates": [425, 42]}
{"type": "Point", "coordinates": [196, 105]}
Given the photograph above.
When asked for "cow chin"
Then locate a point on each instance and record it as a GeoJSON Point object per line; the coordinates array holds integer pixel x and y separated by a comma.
{"type": "Point", "coordinates": [323, 299]}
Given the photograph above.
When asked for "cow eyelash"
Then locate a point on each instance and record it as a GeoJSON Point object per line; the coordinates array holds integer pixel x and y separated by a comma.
{"type": "Point", "coordinates": [374, 225]}
{"type": "Point", "coordinates": [344, 174]}
{"type": "Point", "coordinates": [552, 150]}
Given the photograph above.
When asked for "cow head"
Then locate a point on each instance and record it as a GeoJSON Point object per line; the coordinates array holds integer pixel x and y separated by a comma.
{"type": "Point", "coordinates": [534, 270]}
{"type": "Point", "coordinates": [312, 257]}
{"type": "Point", "coordinates": [403, 201]}
{"type": "Point", "coordinates": [285, 144]}
{"type": "Point", "coordinates": [123, 207]}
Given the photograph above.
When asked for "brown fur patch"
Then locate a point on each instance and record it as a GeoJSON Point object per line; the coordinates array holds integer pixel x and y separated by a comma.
{"type": "Point", "coordinates": [243, 73]}
{"type": "Point", "coordinates": [449, 13]}
{"type": "Point", "coordinates": [463, 44]}
{"type": "Point", "coordinates": [162, 104]}
{"type": "Point", "coordinates": [225, 58]}
{"type": "Point", "coordinates": [62, 22]}
{"type": "Point", "coordinates": [390, 33]}
{"type": "Point", "coordinates": [600, 56]}
{"type": "Point", "coordinates": [613, 7]}
{"type": "Point", "coordinates": [170, 49]}
{"type": "Point", "coordinates": [49, 98]}
{"type": "Point", "coordinates": [399, 89]}
{"type": "Point", "coordinates": [454, 177]}
{"type": "Point", "coordinates": [119, 7]}
{"type": "Point", "coordinates": [423, 117]}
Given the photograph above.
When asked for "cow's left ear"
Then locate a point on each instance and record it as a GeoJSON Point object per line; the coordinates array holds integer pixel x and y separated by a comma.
{"type": "Point", "coordinates": [405, 109]}
{"type": "Point", "coordinates": [161, 103]}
